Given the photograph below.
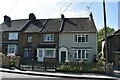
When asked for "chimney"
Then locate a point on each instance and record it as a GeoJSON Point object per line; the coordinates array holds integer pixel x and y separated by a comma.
{"type": "Point", "coordinates": [90, 16]}
{"type": "Point", "coordinates": [7, 20]}
{"type": "Point", "coordinates": [32, 17]}
{"type": "Point", "coordinates": [62, 17]}
{"type": "Point", "coordinates": [62, 23]}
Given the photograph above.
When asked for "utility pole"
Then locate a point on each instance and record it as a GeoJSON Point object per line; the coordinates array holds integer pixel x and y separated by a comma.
{"type": "Point", "coordinates": [105, 31]}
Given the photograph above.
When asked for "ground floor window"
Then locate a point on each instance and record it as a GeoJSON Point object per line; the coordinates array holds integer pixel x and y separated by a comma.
{"type": "Point", "coordinates": [27, 52]}
{"type": "Point", "coordinates": [12, 48]}
{"type": "Point", "coordinates": [45, 53]}
{"type": "Point", "coordinates": [50, 53]}
{"type": "Point", "coordinates": [81, 53]}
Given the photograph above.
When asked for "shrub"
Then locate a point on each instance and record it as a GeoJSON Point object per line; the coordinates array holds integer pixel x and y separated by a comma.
{"type": "Point", "coordinates": [82, 67]}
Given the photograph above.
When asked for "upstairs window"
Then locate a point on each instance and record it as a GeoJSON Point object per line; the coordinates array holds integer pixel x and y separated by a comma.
{"type": "Point", "coordinates": [29, 38]}
{"type": "Point", "coordinates": [13, 36]}
{"type": "Point", "coordinates": [48, 37]}
{"type": "Point", "coordinates": [80, 38]}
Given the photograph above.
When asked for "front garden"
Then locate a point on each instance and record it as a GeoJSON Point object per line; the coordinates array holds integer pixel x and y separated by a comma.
{"type": "Point", "coordinates": [68, 67]}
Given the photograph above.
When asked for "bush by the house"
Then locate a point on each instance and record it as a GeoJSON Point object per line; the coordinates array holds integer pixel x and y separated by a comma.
{"type": "Point", "coordinates": [82, 67]}
{"type": "Point", "coordinates": [8, 61]}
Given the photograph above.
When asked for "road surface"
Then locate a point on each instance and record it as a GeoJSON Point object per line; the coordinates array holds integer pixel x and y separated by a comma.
{"type": "Point", "coordinates": [14, 76]}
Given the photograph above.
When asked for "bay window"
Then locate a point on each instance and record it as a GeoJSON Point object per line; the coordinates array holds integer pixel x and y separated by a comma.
{"type": "Point", "coordinates": [81, 53]}
{"type": "Point", "coordinates": [50, 53]}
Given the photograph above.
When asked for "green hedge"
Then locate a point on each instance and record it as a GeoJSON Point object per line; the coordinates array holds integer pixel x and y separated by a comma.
{"type": "Point", "coordinates": [86, 67]}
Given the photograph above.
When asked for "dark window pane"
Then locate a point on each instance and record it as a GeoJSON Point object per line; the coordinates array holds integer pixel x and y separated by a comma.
{"type": "Point", "coordinates": [79, 39]}
{"type": "Point", "coordinates": [86, 38]}
{"type": "Point", "coordinates": [75, 38]}
{"type": "Point", "coordinates": [79, 54]}
{"type": "Point", "coordinates": [83, 54]}
{"type": "Point", "coordinates": [87, 55]}
{"type": "Point", "coordinates": [83, 39]}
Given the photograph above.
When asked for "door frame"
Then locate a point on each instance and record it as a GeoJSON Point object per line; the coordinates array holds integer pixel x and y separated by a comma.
{"type": "Point", "coordinates": [42, 55]}
{"type": "Point", "coordinates": [63, 49]}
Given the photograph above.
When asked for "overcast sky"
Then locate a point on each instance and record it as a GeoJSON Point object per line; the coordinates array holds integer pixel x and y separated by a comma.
{"type": "Point", "coordinates": [20, 9]}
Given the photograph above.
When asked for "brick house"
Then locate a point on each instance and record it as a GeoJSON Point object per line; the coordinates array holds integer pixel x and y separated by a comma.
{"type": "Point", "coordinates": [61, 38]}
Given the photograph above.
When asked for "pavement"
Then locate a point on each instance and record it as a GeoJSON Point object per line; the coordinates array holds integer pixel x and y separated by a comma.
{"type": "Point", "coordinates": [62, 75]}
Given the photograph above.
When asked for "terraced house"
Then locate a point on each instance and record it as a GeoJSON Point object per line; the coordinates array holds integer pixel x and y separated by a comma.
{"type": "Point", "coordinates": [65, 39]}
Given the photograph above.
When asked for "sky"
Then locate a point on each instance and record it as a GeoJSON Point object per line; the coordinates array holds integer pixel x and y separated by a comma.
{"type": "Point", "coordinates": [20, 9]}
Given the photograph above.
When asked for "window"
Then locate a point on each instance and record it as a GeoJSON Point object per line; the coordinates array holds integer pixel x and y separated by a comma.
{"type": "Point", "coordinates": [13, 36]}
{"type": "Point", "coordinates": [27, 52]}
{"type": "Point", "coordinates": [81, 54]}
{"type": "Point", "coordinates": [75, 53]}
{"type": "Point", "coordinates": [49, 53]}
{"type": "Point", "coordinates": [12, 48]}
{"type": "Point", "coordinates": [40, 54]}
{"type": "Point", "coordinates": [48, 37]}
{"type": "Point", "coordinates": [4, 36]}
{"type": "Point", "coordinates": [80, 38]}
{"type": "Point", "coordinates": [29, 38]}
{"type": "Point", "coordinates": [87, 54]}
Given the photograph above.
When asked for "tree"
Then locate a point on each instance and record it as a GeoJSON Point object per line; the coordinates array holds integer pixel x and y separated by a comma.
{"type": "Point", "coordinates": [101, 36]}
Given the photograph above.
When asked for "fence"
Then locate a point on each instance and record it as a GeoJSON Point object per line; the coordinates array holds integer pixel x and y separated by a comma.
{"type": "Point", "coordinates": [49, 63]}
{"type": "Point", "coordinates": [52, 64]}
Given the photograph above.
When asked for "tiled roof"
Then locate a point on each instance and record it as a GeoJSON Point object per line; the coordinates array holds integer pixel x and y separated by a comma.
{"type": "Point", "coordinates": [16, 25]}
{"type": "Point", "coordinates": [79, 25]}
{"type": "Point", "coordinates": [52, 25]}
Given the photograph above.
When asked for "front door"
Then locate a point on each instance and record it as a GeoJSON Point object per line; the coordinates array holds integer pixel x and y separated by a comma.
{"type": "Point", "coordinates": [40, 55]}
{"type": "Point", "coordinates": [63, 56]}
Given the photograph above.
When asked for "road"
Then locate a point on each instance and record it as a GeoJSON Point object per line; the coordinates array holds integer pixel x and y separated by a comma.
{"type": "Point", "coordinates": [14, 76]}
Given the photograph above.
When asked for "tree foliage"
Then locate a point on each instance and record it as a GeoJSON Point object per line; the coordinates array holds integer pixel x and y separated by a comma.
{"type": "Point", "coordinates": [101, 36]}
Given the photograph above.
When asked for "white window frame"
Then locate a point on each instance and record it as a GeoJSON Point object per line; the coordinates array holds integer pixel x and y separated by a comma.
{"type": "Point", "coordinates": [10, 47]}
{"type": "Point", "coordinates": [87, 51]}
{"type": "Point", "coordinates": [49, 56]}
{"type": "Point", "coordinates": [80, 35]}
{"type": "Point", "coordinates": [29, 39]}
{"type": "Point", "coordinates": [13, 36]}
{"type": "Point", "coordinates": [50, 36]}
